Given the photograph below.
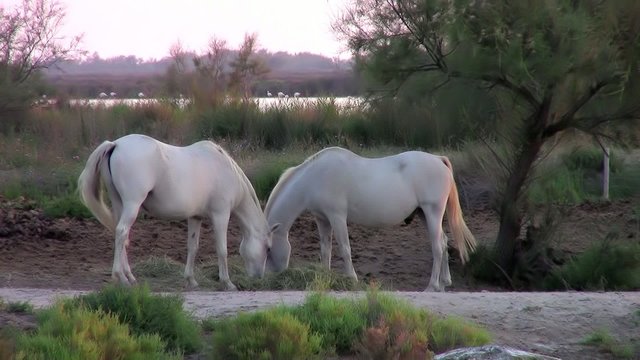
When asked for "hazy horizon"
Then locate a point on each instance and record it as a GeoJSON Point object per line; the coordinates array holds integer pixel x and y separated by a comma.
{"type": "Point", "coordinates": [146, 29]}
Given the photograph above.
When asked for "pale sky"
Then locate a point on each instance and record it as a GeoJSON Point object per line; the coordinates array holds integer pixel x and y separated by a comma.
{"type": "Point", "coordinates": [147, 28]}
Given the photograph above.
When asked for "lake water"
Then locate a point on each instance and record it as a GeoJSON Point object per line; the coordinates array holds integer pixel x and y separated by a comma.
{"type": "Point", "coordinates": [348, 102]}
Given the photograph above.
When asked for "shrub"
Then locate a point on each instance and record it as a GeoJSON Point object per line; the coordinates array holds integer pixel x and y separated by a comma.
{"type": "Point", "coordinates": [379, 326]}
{"type": "Point", "coordinates": [338, 322]}
{"type": "Point", "coordinates": [74, 333]}
{"type": "Point", "coordinates": [604, 266]}
{"type": "Point", "coordinates": [264, 335]}
{"type": "Point", "coordinates": [147, 313]}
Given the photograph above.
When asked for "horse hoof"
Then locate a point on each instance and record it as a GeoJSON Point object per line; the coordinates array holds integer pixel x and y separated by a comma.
{"type": "Point", "coordinates": [120, 280]}
{"type": "Point", "coordinates": [431, 288]}
{"type": "Point", "coordinates": [192, 284]}
{"type": "Point", "coordinates": [231, 287]}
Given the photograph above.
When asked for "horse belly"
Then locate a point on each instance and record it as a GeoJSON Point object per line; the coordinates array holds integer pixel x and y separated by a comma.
{"type": "Point", "coordinates": [381, 208]}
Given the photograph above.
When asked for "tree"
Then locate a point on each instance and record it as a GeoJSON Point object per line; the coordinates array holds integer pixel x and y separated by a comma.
{"type": "Point", "coordinates": [175, 75]}
{"type": "Point", "coordinates": [30, 41]}
{"type": "Point", "coordinates": [210, 68]}
{"type": "Point", "coordinates": [246, 67]}
{"type": "Point", "coordinates": [554, 65]}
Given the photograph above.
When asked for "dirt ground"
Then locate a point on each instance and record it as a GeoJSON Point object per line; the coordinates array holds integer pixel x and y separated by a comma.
{"type": "Point", "coordinates": [39, 252]}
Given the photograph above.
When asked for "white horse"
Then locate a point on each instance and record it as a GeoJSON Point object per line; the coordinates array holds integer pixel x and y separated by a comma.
{"type": "Point", "coordinates": [337, 186]}
{"type": "Point", "coordinates": [192, 182]}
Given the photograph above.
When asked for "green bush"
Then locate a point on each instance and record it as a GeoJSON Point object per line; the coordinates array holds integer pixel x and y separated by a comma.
{"type": "Point", "coordinates": [75, 333]}
{"type": "Point", "coordinates": [264, 335]}
{"type": "Point", "coordinates": [338, 322]}
{"type": "Point", "coordinates": [378, 326]}
{"type": "Point", "coordinates": [604, 266]}
{"type": "Point", "coordinates": [148, 313]}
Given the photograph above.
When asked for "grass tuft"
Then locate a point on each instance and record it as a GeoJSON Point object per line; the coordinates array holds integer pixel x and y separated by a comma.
{"type": "Point", "coordinates": [603, 340]}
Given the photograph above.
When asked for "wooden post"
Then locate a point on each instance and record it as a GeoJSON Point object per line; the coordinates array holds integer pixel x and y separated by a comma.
{"type": "Point", "coordinates": [605, 174]}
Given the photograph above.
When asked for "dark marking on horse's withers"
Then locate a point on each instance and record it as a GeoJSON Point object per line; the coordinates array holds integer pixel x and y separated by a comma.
{"type": "Point", "coordinates": [402, 165]}
{"type": "Point", "coordinates": [409, 219]}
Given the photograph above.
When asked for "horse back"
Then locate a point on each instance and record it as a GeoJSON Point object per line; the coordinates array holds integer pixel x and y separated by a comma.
{"type": "Point", "coordinates": [173, 181]}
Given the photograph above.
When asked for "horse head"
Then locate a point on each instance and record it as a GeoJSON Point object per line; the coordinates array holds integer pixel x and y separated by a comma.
{"type": "Point", "coordinates": [254, 250]}
{"type": "Point", "coordinates": [279, 251]}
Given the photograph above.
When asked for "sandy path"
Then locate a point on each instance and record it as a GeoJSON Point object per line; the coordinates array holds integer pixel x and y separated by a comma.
{"type": "Point", "coordinates": [547, 323]}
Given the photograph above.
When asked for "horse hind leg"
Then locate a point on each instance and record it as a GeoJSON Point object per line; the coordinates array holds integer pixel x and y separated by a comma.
{"type": "Point", "coordinates": [341, 231]}
{"type": "Point", "coordinates": [445, 274]}
{"type": "Point", "coordinates": [193, 240]}
{"type": "Point", "coordinates": [433, 219]}
{"type": "Point", "coordinates": [121, 266]}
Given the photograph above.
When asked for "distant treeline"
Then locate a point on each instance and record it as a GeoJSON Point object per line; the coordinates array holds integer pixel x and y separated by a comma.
{"type": "Point", "coordinates": [308, 74]}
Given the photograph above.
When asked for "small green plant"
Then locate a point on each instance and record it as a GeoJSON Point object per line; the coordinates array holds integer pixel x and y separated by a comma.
{"type": "Point", "coordinates": [604, 266]}
{"type": "Point", "coordinates": [75, 333]}
{"type": "Point", "coordinates": [606, 342]}
{"type": "Point", "coordinates": [65, 205]}
{"type": "Point", "coordinates": [147, 313]}
{"type": "Point", "coordinates": [20, 307]}
{"type": "Point", "coordinates": [264, 335]}
{"type": "Point", "coordinates": [453, 332]}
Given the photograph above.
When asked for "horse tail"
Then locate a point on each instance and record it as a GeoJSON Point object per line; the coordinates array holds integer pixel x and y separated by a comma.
{"type": "Point", "coordinates": [90, 184]}
{"type": "Point", "coordinates": [465, 241]}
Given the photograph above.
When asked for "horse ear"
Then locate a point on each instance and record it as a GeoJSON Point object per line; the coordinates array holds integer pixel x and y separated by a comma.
{"type": "Point", "coordinates": [274, 227]}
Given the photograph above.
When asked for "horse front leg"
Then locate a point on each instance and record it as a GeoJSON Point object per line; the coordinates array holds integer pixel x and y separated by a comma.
{"type": "Point", "coordinates": [220, 224]}
{"type": "Point", "coordinates": [339, 225]}
{"type": "Point", "coordinates": [193, 240]}
{"type": "Point", "coordinates": [324, 231]}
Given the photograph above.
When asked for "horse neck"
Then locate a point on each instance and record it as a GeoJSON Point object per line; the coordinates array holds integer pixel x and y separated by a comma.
{"type": "Point", "coordinates": [250, 215]}
{"type": "Point", "coordinates": [285, 207]}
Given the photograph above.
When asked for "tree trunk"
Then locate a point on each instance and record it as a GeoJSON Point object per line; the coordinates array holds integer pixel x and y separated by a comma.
{"type": "Point", "coordinates": [510, 216]}
{"type": "Point", "coordinates": [510, 212]}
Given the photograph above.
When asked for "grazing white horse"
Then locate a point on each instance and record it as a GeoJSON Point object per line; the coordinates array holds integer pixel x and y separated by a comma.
{"type": "Point", "coordinates": [337, 186]}
{"type": "Point", "coordinates": [192, 182]}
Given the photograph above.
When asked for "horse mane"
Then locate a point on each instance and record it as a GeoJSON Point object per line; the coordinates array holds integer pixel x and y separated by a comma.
{"type": "Point", "coordinates": [241, 175]}
{"type": "Point", "coordinates": [287, 175]}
